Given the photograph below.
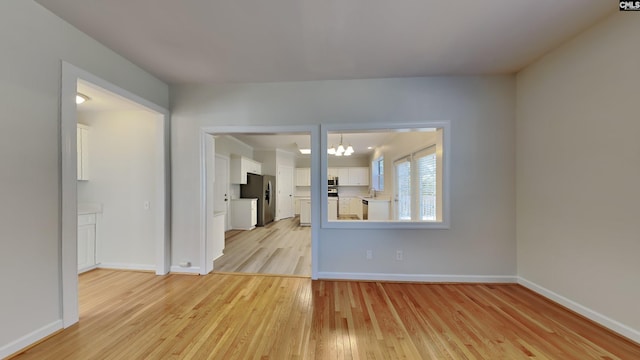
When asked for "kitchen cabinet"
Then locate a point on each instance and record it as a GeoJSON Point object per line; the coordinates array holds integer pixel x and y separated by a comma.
{"type": "Point", "coordinates": [355, 207]}
{"type": "Point", "coordinates": [332, 209]}
{"type": "Point", "coordinates": [305, 212]}
{"type": "Point", "coordinates": [86, 242]}
{"type": "Point", "coordinates": [240, 166]}
{"type": "Point", "coordinates": [359, 176]}
{"type": "Point", "coordinates": [332, 173]}
{"type": "Point", "coordinates": [82, 150]}
{"type": "Point", "coordinates": [244, 214]}
{"type": "Point", "coordinates": [350, 176]}
{"type": "Point", "coordinates": [343, 176]}
{"type": "Point", "coordinates": [303, 176]}
{"type": "Point", "coordinates": [344, 206]}
{"type": "Point", "coordinates": [378, 209]}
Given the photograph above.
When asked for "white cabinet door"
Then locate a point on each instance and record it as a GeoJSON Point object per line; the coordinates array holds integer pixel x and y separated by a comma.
{"type": "Point", "coordinates": [359, 176]}
{"type": "Point", "coordinates": [254, 213]}
{"type": "Point", "coordinates": [343, 176]}
{"type": "Point", "coordinates": [240, 166]}
{"type": "Point", "coordinates": [333, 209]}
{"type": "Point", "coordinates": [86, 242]}
{"type": "Point", "coordinates": [244, 214]}
{"type": "Point", "coordinates": [303, 177]}
{"type": "Point", "coordinates": [305, 212]}
{"type": "Point", "coordinates": [356, 207]}
{"type": "Point", "coordinates": [344, 206]}
{"type": "Point", "coordinates": [333, 172]}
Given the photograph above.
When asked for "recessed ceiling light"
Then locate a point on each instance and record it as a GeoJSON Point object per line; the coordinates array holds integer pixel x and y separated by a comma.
{"type": "Point", "coordinates": [80, 98]}
{"type": "Point", "coordinates": [305, 151]}
{"type": "Point", "coordinates": [369, 147]}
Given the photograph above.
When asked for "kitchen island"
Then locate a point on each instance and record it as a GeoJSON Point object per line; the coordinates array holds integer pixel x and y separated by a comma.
{"type": "Point", "coordinates": [374, 208]}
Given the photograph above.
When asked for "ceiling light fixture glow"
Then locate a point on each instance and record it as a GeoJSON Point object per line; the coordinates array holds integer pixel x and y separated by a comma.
{"type": "Point", "coordinates": [305, 151]}
{"type": "Point", "coordinates": [341, 150]}
{"type": "Point", "coordinates": [81, 98]}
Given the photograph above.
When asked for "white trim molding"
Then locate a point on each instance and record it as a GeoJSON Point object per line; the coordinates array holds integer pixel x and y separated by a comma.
{"type": "Point", "coordinates": [68, 187]}
{"type": "Point", "coordinates": [135, 267]}
{"type": "Point", "coordinates": [424, 278]}
{"type": "Point", "coordinates": [16, 346]}
{"type": "Point", "coordinates": [186, 270]}
{"type": "Point", "coordinates": [590, 314]}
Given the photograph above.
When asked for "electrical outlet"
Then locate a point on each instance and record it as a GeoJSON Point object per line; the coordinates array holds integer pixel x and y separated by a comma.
{"type": "Point", "coordinates": [399, 255]}
{"type": "Point", "coordinates": [369, 254]}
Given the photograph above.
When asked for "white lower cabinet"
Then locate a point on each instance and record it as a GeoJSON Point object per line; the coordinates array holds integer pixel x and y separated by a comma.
{"type": "Point", "coordinates": [355, 207]}
{"type": "Point", "coordinates": [344, 206]}
{"type": "Point", "coordinates": [86, 242]}
{"type": "Point", "coordinates": [244, 214]}
{"type": "Point", "coordinates": [332, 211]}
{"type": "Point", "coordinates": [305, 212]}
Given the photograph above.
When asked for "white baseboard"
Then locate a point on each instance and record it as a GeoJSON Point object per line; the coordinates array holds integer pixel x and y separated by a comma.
{"type": "Point", "coordinates": [590, 314]}
{"type": "Point", "coordinates": [25, 341]}
{"type": "Point", "coordinates": [117, 266]}
{"type": "Point", "coordinates": [418, 277]}
{"type": "Point", "coordinates": [185, 270]}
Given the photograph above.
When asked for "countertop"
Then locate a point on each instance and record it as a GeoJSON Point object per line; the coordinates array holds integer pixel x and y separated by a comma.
{"type": "Point", "coordinates": [375, 199]}
{"type": "Point", "coordinates": [89, 208]}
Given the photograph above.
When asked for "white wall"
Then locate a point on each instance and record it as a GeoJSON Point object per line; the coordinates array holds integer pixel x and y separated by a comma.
{"type": "Point", "coordinates": [33, 43]}
{"type": "Point", "coordinates": [481, 240]}
{"type": "Point", "coordinates": [123, 167]}
{"type": "Point", "coordinates": [578, 175]}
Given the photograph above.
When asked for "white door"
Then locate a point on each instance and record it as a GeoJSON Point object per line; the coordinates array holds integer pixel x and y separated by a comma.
{"type": "Point", "coordinates": [284, 201]}
{"type": "Point", "coordinates": [221, 186]}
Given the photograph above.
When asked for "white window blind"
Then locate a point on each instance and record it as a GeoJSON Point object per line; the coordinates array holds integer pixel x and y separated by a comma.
{"type": "Point", "coordinates": [426, 180]}
{"type": "Point", "coordinates": [377, 174]}
{"type": "Point", "coordinates": [403, 188]}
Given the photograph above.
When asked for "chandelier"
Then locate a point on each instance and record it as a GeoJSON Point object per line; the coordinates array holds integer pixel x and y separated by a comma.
{"type": "Point", "coordinates": [341, 150]}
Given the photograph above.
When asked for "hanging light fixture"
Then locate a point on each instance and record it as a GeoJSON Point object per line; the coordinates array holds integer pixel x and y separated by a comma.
{"type": "Point", "coordinates": [341, 150]}
{"type": "Point", "coordinates": [349, 150]}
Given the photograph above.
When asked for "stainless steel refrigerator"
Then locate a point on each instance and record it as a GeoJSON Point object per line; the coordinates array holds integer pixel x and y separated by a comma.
{"type": "Point", "coordinates": [262, 187]}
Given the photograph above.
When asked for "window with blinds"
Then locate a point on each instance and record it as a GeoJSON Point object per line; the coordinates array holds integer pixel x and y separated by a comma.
{"type": "Point", "coordinates": [426, 170]}
{"type": "Point", "coordinates": [416, 177]}
{"type": "Point", "coordinates": [403, 188]}
{"type": "Point", "coordinates": [377, 174]}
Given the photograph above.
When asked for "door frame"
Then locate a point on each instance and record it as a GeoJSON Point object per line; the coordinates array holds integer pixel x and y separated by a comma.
{"type": "Point", "coordinates": [69, 197]}
{"type": "Point", "coordinates": [207, 144]}
{"type": "Point", "coordinates": [227, 221]}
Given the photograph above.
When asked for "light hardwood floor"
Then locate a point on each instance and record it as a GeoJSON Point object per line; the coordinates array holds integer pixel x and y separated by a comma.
{"type": "Point", "coordinates": [281, 247]}
{"type": "Point", "coordinates": [134, 315]}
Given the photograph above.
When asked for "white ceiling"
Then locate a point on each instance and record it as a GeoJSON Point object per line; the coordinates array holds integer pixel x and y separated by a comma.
{"type": "Point", "coordinates": [197, 41]}
{"type": "Point", "coordinates": [360, 141]}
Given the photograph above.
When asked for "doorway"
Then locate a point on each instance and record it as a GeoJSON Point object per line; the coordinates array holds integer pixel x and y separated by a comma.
{"type": "Point", "coordinates": [158, 202]}
{"type": "Point", "coordinates": [256, 256]}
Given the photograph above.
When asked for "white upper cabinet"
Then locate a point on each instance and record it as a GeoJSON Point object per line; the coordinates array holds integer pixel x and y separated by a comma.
{"type": "Point", "coordinates": [350, 176]}
{"type": "Point", "coordinates": [82, 143]}
{"type": "Point", "coordinates": [359, 176]}
{"type": "Point", "coordinates": [240, 166]}
{"type": "Point", "coordinates": [303, 177]}
{"type": "Point", "coordinates": [332, 172]}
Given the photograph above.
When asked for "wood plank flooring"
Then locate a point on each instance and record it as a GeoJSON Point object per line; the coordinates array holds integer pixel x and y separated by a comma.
{"type": "Point", "coordinates": [281, 247]}
{"type": "Point", "coordinates": [133, 315]}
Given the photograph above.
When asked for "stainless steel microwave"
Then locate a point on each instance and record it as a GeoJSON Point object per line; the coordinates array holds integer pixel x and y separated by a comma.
{"type": "Point", "coordinates": [333, 181]}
